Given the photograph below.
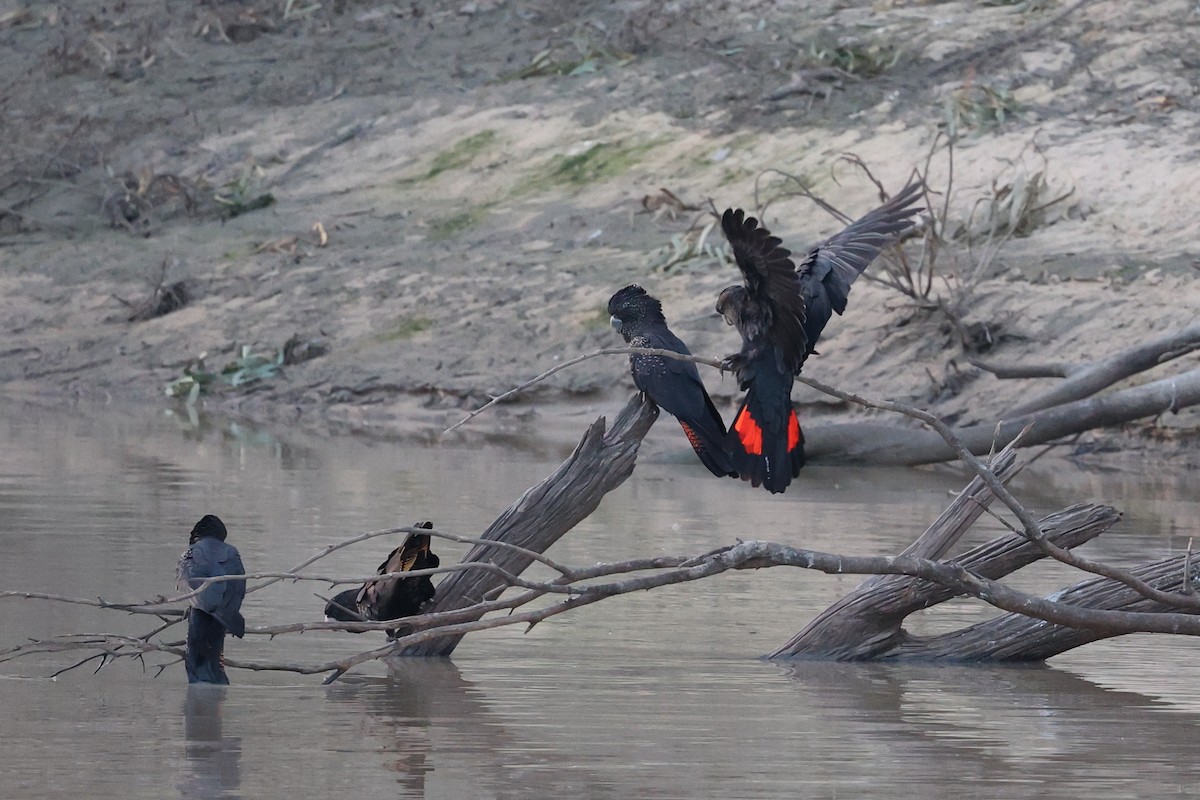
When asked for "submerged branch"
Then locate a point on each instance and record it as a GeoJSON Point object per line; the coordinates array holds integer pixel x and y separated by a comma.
{"type": "Point", "coordinates": [954, 577]}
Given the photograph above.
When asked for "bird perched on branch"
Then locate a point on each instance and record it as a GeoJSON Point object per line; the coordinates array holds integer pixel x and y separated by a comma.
{"type": "Point", "coordinates": [216, 609]}
{"type": "Point", "coordinates": [780, 312]}
{"type": "Point", "coordinates": [673, 385]}
{"type": "Point", "coordinates": [394, 598]}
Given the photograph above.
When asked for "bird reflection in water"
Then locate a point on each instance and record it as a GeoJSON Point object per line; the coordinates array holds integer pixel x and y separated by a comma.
{"type": "Point", "coordinates": [212, 761]}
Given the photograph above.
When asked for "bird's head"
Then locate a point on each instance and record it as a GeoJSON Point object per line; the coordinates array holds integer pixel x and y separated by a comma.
{"type": "Point", "coordinates": [631, 307]}
{"type": "Point", "coordinates": [732, 302]}
{"type": "Point", "coordinates": [209, 525]}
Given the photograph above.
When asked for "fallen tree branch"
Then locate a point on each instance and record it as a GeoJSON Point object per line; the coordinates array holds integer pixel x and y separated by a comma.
{"type": "Point", "coordinates": [1030, 526]}
{"type": "Point", "coordinates": [866, 624]}
{"type": "Point", "coordinates": [1084, 380]}
{"type": "Point", "coordinates": [873, 443]}
{"type": "Point", "coordinates": [1055, 369]}
{"type": "Point", "coordinates": [1015, 637]}
{"type": "Point", "coordinates": [600, 463]}
{"type": "Point", "coordinates": [954, 577]}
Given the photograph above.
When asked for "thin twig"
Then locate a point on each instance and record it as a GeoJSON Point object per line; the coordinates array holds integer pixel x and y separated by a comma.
{"type": "Point", "coordinates": [604, 351]}
{"type": "Point", "coordinates": [1187, 570]}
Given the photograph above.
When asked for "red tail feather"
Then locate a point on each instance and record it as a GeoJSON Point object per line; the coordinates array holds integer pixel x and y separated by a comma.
{"type": "Point", "coordinates": [750, 433]}
{"type": "Point", "coordinates": [795, 437]}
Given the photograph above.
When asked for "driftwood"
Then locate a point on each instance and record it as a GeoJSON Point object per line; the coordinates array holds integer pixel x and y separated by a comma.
{"type": "Point", "coordinates": [1087, 378]}
{"type": "Point", "coordinates": [1015, 637]}
{"type": "Point", "coordinates": [600, 463]}
{"type": "Point", "coordinates": [866, 624]}
{"type": "Point", "coordinates": [1068, 408]}
{"type": "Point", "coordinates": [869, 443]}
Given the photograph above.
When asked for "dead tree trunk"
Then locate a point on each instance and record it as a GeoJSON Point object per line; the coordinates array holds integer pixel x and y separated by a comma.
{"type": "Point", "coordinates": [867, 443]}
{"type": "Point", "coordinates": [1068, 408]}
{"type": "Point", "coordinates": [866, 624]}
{"type": "Point", "coordinates": [600, 463]}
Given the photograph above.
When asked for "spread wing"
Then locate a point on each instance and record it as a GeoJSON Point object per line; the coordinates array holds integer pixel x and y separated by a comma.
{"type": "Point", "coordinates": [830, 267]}
{"type": "Point", "coordinates": [772, 282]}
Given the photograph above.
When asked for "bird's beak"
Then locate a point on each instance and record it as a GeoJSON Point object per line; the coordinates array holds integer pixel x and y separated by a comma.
{"type": "Point", "coordinates": [616, 323]}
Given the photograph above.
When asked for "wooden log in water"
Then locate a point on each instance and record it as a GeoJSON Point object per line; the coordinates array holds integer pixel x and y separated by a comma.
{"type": "Point", "coordinates": [866, 624]}
{"type": "Point", "coordinates": [601, 462]}
{"type": "Point", "coordinates": [1015, 637]}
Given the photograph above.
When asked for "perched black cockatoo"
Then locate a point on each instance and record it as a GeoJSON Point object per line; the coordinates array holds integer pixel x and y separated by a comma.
{"type": "Point", "coordinates": [673, 385]}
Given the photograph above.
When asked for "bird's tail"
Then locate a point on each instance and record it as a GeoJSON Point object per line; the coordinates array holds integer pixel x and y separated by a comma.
{"type": "Point", "coordinates": [710, 441]}
{"type": "Point", "coordinates": [205, 644]}
{"type": "Point", "coordinates": [235, 623]}
{"type": "Point", "coordinates": [766, 442]}
{"type": "Point", "coordinates": [344, 607]}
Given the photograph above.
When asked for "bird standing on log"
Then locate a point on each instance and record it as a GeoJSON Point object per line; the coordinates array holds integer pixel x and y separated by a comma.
{"type": "Point", "coordinates": [780, 312]}
{"type": "Point", "coordinates": [215, 610]}
{"type": "Point", "coordinates": [394, 598]}
{"type": "Point", "coordinates": [673, 385]}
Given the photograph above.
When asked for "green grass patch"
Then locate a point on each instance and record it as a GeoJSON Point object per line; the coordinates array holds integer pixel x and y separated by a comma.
{"type": "Point", "coordinates": [406, 329]}
{"type": "Point", "coordinates": [246, 368]}
{"type": "Point", "coordinates": [599, 162]}
{"type": "Point", "coordinates": [459, 155]}
{"type": "Point", "coordinates": [979, 108]}
{"type": "Point", "coordinates": [862, 59]}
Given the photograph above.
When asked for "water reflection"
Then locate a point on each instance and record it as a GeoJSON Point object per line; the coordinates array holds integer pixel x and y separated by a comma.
{"type": "Point", "coordinates": [653, 695]}
{"type": "Point", "coordinates": [427, 718]}
{"type": "Point", "coordinates": [212, 765]}
{"type": "Point", "coordinates": [998, 726]}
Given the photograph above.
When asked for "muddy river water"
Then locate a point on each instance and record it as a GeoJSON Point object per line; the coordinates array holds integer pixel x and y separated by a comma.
{"type": "Point", "coordinates": [655, 695]}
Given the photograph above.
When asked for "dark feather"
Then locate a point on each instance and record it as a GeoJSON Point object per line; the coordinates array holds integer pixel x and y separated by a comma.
{"type": "Point", "coordinates": [780, 313]}
{"type": "Point", "coordinates": [210, 557]}
{"type": "Point", "coordinates": [394, 598]}
{"type": "Point", "coordinates": [772, 286]}
{"type": "Point", "coordinates": [832, 266]}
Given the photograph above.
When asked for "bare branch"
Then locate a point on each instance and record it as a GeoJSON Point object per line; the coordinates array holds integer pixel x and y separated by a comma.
{"type": "Point", "coordinates": [136, 607]}
{"type": "Point", "coordinates": [745, 555]}
{"type": "Point", "coordinates": [1084, 380]}
{"type": "Point", "coordinates": [605, 351]}
{"type": "Point", "coordinates": [1009, 371]}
